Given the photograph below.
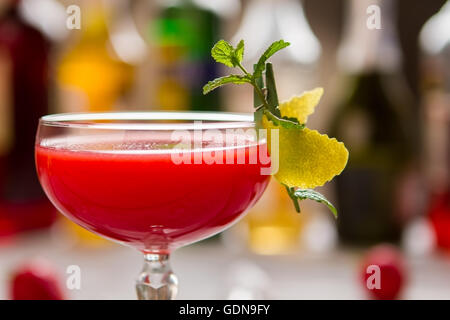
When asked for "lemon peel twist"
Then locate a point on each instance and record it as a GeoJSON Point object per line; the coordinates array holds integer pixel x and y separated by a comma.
{"type": "Point", "coordinates": [300, 107]}
{"type": "Point", "coordinates": [307, 159]}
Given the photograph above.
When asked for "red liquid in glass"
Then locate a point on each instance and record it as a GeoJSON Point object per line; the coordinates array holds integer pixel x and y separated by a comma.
{"type": "Point", "coordinates": [146, 200]}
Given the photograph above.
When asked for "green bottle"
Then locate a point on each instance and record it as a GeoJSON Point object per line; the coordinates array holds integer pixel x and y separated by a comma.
{"type": "Point", "coordinates": [375, 192]}
{"type": "Point", "coordinates": [185, 32]}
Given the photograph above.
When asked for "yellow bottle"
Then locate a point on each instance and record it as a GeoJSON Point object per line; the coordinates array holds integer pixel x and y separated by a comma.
{"type": "Point", "coordinates": [90, 78]}
{"type": "Point", "coordinates": [171, 92]}
{"type": "Point", "coordinates": [273, 226]}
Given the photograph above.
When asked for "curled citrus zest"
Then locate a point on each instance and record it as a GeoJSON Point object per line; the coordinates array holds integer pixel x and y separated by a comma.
{"type": "Point", "coordinates": [300, 107]}
{"type": "Point", "coordinates": [306, 158]}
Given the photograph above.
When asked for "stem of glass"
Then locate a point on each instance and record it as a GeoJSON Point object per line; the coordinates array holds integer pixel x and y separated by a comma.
{"type": "Point", "coordinates": [156, 280]}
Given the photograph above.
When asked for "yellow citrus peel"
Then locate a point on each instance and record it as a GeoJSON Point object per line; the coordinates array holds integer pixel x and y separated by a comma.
{"type": "Point", "coordinates": [300, 107]}
{"type": "Point", "coordinates": [307, 159]}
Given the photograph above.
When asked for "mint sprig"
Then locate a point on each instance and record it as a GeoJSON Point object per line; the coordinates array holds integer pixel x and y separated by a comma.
{"type": "Point", "coordinates": [223, 52]}
{"type": "Point", "coordinates": [265, 98]}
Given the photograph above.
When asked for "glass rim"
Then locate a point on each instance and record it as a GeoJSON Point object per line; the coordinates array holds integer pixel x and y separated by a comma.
{"type": "Point", "coordinates": [197, 120]}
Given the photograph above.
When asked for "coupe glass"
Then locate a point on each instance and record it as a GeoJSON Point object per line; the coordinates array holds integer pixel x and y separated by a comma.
{"type": "Point", "coordinates": [154, 181]}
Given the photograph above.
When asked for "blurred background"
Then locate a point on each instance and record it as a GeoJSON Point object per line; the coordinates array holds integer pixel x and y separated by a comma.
{"type": "Point", "coordinates": [386, 96]}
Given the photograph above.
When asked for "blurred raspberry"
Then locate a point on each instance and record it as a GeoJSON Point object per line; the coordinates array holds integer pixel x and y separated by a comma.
{"type": "Point", "coordinates": [439, 214]}
{"type": "Point", "coordinates": [388, 263]}
{"type": "Point", "coordinates": [36, 280]}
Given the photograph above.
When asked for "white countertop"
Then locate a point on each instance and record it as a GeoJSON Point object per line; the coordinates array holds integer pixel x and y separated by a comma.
{"type": "Point", "coordinates": [205, 270]}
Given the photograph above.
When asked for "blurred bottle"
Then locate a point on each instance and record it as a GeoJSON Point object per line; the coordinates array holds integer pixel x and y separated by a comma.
{"type": "Point", "coordinates": [90, 75]}
{"type": "Point", "coordinates": [184, 33]}
{"type": "Point", "coordinates": [24, 86]}
{"type": "Point", "coordinates": [296, 65]}
{"type": "Point", "coordinates": [376, 192]}
{"type": "Point", "coordinates": [272, 226]}
{"type": "Point", "coordinates": [435, 45]}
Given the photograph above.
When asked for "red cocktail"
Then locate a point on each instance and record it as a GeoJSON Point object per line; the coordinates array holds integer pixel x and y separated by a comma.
{"type": "Point", "coordinates": [152, 183]}
{"type": "Point", "coordinates": [145, 199]}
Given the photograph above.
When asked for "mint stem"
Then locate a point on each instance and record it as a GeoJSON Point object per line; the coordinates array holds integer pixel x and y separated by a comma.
{"type": "Point", "coordinates": [260, 94]}
{"type": "Point", "coordinates": [255, 86]}
{"type": "Point", "coordinates": [272, 95]}
{"type": "Point", "coordinates": [290, 192]}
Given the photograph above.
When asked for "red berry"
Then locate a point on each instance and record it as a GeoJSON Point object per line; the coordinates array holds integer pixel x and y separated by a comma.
{"type": "Point", "coordinates": [384, 272]}
{"type": "Point", "coordinates": [36, 280]}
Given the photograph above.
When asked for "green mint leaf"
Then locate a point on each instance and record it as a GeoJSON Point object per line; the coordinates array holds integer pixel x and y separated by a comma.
{"type": "Point", "coordinates": [223, 52]}
{"type": "Point", "coordinates": [239, 52]}
{"type": "Point", "coordinates": [302, 194]}
{"type": "Point", "coordinates": [273, 48]}
{"type": "Point", "coordinates": [285, 122]}
{"type": "Point", "coordinates": [211, 85]}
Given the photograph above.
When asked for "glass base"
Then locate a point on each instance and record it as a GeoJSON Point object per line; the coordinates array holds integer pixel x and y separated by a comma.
{"type": "Point", "coordinates": [156, 280]}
